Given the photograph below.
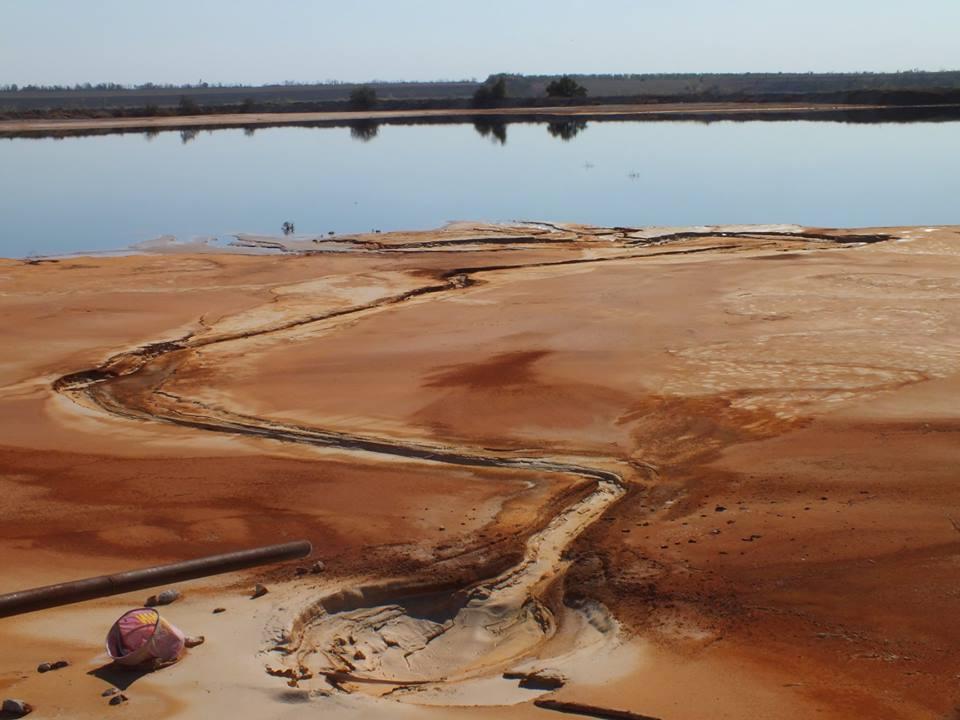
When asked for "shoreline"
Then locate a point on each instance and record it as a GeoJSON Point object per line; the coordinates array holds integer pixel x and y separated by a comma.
{"type": "Point", "coordinates": [671, 111]}
{"type": "Point", "coordinates": [258, 244]}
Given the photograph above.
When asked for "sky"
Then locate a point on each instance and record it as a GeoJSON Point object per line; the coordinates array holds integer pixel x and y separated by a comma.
{"type": "Point", "coordinates": [256, 42]}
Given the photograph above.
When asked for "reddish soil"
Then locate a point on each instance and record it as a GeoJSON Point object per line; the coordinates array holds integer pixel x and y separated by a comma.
{"type": "Point", "coordinates": [787, 432]}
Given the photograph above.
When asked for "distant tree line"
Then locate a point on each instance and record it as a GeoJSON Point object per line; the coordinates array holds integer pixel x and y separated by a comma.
{"type": "Point", "coordinates": [939, 78]}
{"type": "Point", "coordinates": [501, 90]}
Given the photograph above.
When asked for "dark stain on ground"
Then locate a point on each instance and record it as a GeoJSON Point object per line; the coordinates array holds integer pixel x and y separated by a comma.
{"type": "Point", "coordinates": [511, 368]}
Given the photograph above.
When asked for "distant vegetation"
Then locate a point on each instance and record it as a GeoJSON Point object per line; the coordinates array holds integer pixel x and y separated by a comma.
{"type": "Point", "coordinates": [566, 87]}
{"type": "Point", "coordinates": [187, 106]}
{"type": "Point", "coordinates": [363, 98]}
{"type": "Point", "coordinates": [498, 90]}
{"type": "Point", "coordinates": [492, 93]}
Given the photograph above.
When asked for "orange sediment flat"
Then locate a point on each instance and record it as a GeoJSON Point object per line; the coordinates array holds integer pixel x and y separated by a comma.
{"type": "Point", "coordinates": [689, 472]}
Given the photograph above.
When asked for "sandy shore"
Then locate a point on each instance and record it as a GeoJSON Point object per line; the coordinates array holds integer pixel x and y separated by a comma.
{"type": "Point", "coordinates": [544, 114]}
{"type": "Point", "coordinates": [689, 472]}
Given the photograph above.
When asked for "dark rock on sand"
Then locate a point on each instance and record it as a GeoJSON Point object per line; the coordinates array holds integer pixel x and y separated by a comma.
{"type": "Point", "coordinates": [16, 708]}
{"type": "Point", "coordinates": [47, 667]}
{"type": "Point", "coordinates": [164, 598]}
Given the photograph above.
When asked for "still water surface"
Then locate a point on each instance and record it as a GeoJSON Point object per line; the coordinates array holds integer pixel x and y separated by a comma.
{"type": "Point", "coordinates": [108, 192]}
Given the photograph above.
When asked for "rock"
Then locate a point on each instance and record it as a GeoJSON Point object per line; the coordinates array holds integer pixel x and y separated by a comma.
{"type": "Point", "coordinates": [538, 679]}
{"type": "Point", "coordinates": [164, 598]}
{"type": "Point", "coordinates": [192, 642]}
{"type": "Point", "coordinates": [318, 567]}
{"type": "Point", "coordinates": [17, 708]}
{"type": "Point", "coordinates": [300, 571]}
{"type": "Point", "coordinates": [719, 508]}
{"type": "Point", "coordinates": [109, 692]}
{"type": "Point", "coordinates": [259, 591]}
{"type": "Point", "coordinates": [358, 655]}
{"type": "Point", "coordinates": [118, 699]}
{"type": "Point", "coordinates": [217, 611]}
{"type": "Point", "coordinates": [47, 667]}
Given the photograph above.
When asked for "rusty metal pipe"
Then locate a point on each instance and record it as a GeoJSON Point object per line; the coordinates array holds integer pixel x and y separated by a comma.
{"type": "Point", "coordinates": [75, 591]}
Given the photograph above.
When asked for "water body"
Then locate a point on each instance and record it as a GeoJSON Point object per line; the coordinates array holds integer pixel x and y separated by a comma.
{"type": "Point", "coordinates": [108, 192]}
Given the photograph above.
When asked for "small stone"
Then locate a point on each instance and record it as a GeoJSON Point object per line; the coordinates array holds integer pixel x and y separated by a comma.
{"type": "Point", "coordinates": [217, 611]}
{"type": "Point", "coordinates": [719, 508]}
{"type": "Point", "coordinates": [47, 667]}
{"type": "Point", "coordinates": [17, 708]}
{"type": "Point", "coordinates": [358, 655]}
{"type": "Point", "coordinates": [300, 571]}
{"type": "Point", "coordinates": [109, 692]}
{"type": "Point", "coordinates": [259, 591]}
{"type": "Point", "coordinates": [164, 598]}
{"type": "Point", "coordinates": [318, 567]}
{"type": "Point", "coordinates": [118, 699]}
{"type": "Point", "coordinates": [441, 528]}
{"type": "Point", "coordinates": [192, 642]}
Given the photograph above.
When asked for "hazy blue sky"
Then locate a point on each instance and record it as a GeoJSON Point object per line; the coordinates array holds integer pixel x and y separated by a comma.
{"type": "Point", "coordinates": [255, 41]}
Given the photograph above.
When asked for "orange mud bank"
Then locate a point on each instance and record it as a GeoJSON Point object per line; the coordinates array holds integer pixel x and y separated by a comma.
{"type": "Point", "coordinates": [695, 472]}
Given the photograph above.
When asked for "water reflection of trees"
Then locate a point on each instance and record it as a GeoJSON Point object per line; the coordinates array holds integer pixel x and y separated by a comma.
{"type": "Point", "coordinates": [364, 130]}
{"type": "Point", "coordinates": [493, 129]}
{"type": "Point", "coordinates": [188, 135]}
{"type": "Point", "coordinates": [566, 130]}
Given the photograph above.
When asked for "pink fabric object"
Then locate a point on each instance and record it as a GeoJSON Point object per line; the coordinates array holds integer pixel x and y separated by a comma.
{"type": "Point", "coordinates": [142, 636]}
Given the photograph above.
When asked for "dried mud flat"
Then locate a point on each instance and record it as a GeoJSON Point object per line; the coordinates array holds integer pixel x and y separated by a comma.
{"type": "Point", "coordinates": [670, 472]}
